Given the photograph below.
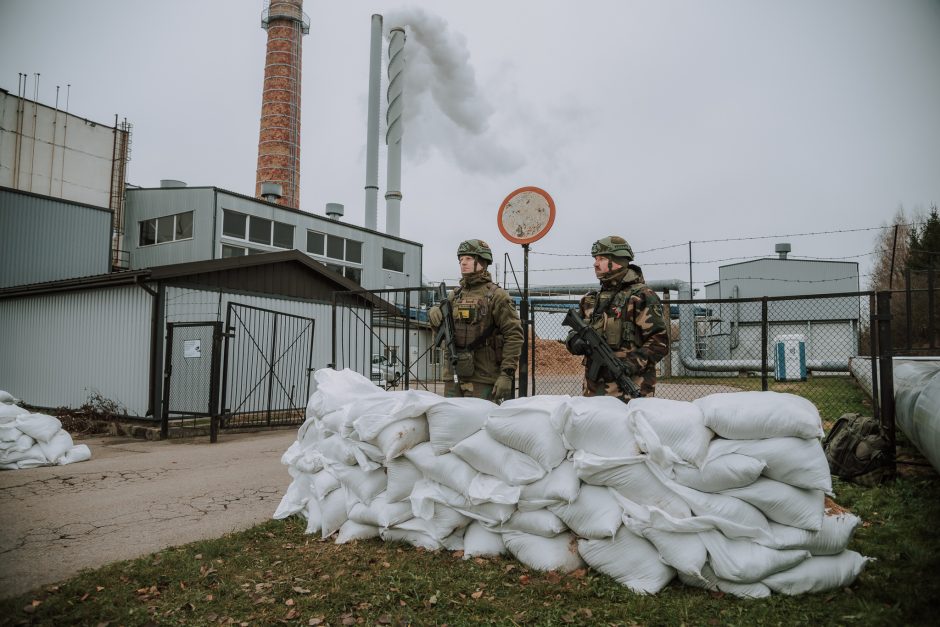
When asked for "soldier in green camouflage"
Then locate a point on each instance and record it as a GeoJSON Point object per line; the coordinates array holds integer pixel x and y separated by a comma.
{"type": "Point", "coordinates": [626, 313]}
{"type": "Point", "coordinates": [488, 333]}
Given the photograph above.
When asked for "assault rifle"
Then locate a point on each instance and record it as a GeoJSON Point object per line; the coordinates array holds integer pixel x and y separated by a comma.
{"type": "Point", "coordinates": [446, 332]}
{"type": "Point", "coordinates": [600, 354]}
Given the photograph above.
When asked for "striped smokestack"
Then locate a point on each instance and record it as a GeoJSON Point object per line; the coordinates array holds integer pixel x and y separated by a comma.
{"type": "Point", "coordinates": [279, 141]}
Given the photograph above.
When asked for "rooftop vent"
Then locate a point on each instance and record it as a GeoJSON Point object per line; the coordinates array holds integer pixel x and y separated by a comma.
{"type": "Point", "coordinates": [334, 210]}
{"type": "Point", "coordinates": [171, 183]}
{"type": "Point", "coordinates": [271, 191]}
{"type": "Point", "coordinates": [782, 249]}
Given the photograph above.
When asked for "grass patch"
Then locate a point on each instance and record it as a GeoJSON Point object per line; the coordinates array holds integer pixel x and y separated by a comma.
{"type": "Point", "coordinates": [274, 573]}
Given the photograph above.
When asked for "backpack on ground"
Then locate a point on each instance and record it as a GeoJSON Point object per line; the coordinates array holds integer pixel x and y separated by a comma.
{"type": "Point", "coordinates": [857, 451]}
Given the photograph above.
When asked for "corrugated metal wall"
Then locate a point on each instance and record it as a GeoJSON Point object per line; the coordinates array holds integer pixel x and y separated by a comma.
{"type": "Point", "coordinates": [44, 239]}
{"type": "Point", "coordinates": [60, 348]}
{"type": "Point", "coordinates": [145, 204]}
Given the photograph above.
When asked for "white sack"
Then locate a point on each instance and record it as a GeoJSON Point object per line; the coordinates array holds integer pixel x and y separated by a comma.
{"type": "Point", "coordinates": [454, 419]}
{"type": "Point", "coordinates": [335, 388]}
{"type": "Point", "coordinates": [599, 425]}
{"type": "Point", "coordinates": [426, 493]}
{"type": "Point", "coordinates": [57, 446]}
{"type": "Point", "coordinates": [338, 450]}
{"type": "Point", "coordinates": [561, 485]}
{"type": "Point", "coordinates": [540, 522]}
{"type": "Point", "coordinates": [527, 425]}
{"type": "Point", "coordinates": [447, 469]}
{"type": "Point", "coordinates": [732, 516]}
{"type": "Point", "coordinates": [445, 521]}
{"type": "Point", "coordinates": [631, 477]}
{"type": "Point", "coordinates": [720, 473]}
{"type": "Point", "coordinates": [314, 517]}
{"type": "Point", "coordinates": [685, 552]}
{"type": "Point", "coordinates": [801, 463]}
{"type": "Point", "coordinates": [710, 581]}
{"type": "Point", "coordinates": [295, 497]}
{"type": "Point", "coordinates": [832, 537]}
{"type": "Point", "coordinates": [594, 514]}
{"type": "Point", "coordinates": [380, 513]}
{"type": "Point", "coordinates": [758, 415]}
{"type": "Point", "coordinates": [23, 443]}
{"type": "Point", "coordinates": [488, 489]}
{"type": "Point", "coordinates": [333, 512]}
{"type": "Point", "coordinates": [545, 554]}
{"type": "Point", "coordinates": [783, 503]}
{"type": "Point", "coordinates": [11, 411]}
{"type": "Point", "coordinates": [402, 475]}
{"type": "Point", "coordinates": [364, 485]}
{"type": "Point", "coordinates": [372, 418]}
{"type": "Point", "coordinates": [745, 561]}
{"type": "Point", "coordinates": [402, 435]}
{"type": "Point", "coordinates": [78, 453]}
{"type": "Point", "coordinates": [679, 425]}
{"type": "Point", "coordinates": [415, 538]}
{"type": "Point", "coordinates": [40, 427]}
{"type": "Point", "coordinates": [323, 483]}
{"type": "Point", "coordinates": [351, 530]}
{"type": "Point", "coordinates": [489, 456]}
{"type": "Point", "coordinates": [478, 541]}
{"type": "Point", "coordinates": [629, 559]}
{"type": "Point", "coordinates": [8, 430]}
{"type": "Point", "coordinates": [8, 399]}
{"type": "Point", "coordinates": [818, 574]}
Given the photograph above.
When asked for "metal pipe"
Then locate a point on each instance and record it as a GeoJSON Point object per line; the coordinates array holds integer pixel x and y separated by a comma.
{"type": "Point", "coordinates": [372, 124]}
{"type": "Point", "coordinates": [396, 65]}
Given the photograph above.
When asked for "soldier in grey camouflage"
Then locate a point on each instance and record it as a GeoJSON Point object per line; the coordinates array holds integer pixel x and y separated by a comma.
{"type": "Point", "coordinates": [626, 313]}
{"type": "Point", "coordinates": [487, 330]}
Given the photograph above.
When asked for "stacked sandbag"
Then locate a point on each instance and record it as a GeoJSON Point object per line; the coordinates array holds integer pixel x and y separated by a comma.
{"type": "Point", "coordinates": [642, 492]}
{"type": "Point", "coordinates": [28, 440]}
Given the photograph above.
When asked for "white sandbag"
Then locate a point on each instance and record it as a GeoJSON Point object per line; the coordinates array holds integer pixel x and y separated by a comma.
{"type": "Point", "coordinates": [679, 425]}
{"type": "Point", "coordinates": [314, 517]}
{"type": "Point", "coordinates": [594, 514]}
{"type": "Point", "coordinates": [364, 485]}
{"type": "Point", "coordinates": [818, 574]}
{"type": "Point", "coordinates": [447, 469]}
{"type": "Point", "coordinates": [731, 515]}
{"type": "Point", "coordinates": [454, 419]}
{"type": "Point", "coordinates": [488, 489]}
{"type": "Point", "coordinates": [599, 425]}
{"type": "Point", "coordinates": [8, 430]}
{"type": "Point", "coordinates": [380, 513]}
{"type": "Point", "coordinates": [798, 462]}
{"type": "Point", "coordinates": [783, 503]}
{"type": "Point", "coordinates": [629, 559]}
{"type": "Point", "coordinates": [30, 458]}
{"type": "Point", "coordinates": [526, 425]}
{"type": "Point", "coordinates": [489, 456]}
{"type": "Point", "coordinates": [415, 538]}
{"type": "Point", "coordinates": [339, 450]}
{"type": "Point", "coordinates": [426, 493]}
{"type": "Point", "coordinates": [310, 461]}
{"type": "Point", "coordinates": [372, 418]}
{"type": "Point", "coordinates": [292, 454]}
{"type": "Point", "coordinates": [21, 444]}
{"type": "Point", "coordinates": [559, 553]}
{"type": "Point", "coordinates": [561, 485]}
{"type": "Point", "coordinates": [78, 453]}
{"type": "Point", "coordinates": [11, 411]}
{"type": "Point", "coordinates": [352, 530]}
{"type": "Point", "coordinates": [685, 552]}
{"type": "Point", "coordinates": [323, 483]}
{"type": "Point", "coordinates": [340, 421]}
{"type": "Point", "coordinates": [710, 581]}
{"type": "Point", "coordinates": [402, 475]}
{"type": "Point", "coordinates": [8, 399]}
{"type": "Point", "coordinates": [758, 415]}
{"type": "Point", "coordinates": [57, 446]}
{"type": "Point", "coordinates": [40, 427]}
{"type": "Point", "coordinates": [478, 541]}
{"type": "Point", "coordinates": [832, 537]}
{"type": "Point", "coordinates": [295, 497]}
{"type": "Point", "coordinates": [335, 388]}
{"type": "Point", "coordinates": [745, 561]}
{"type": "Point", "coordinates": [631, 477]}
{"type": "Point", "coordinates": [540, 522]}
{"type": "Point", "coordinates": [445, 521]}
{"type": "Point", "coordinates": [333, 512]}
{"type": "Point", "coordinates": [401, 435]}
{"type": "Point", "coordinates": [720, 473]}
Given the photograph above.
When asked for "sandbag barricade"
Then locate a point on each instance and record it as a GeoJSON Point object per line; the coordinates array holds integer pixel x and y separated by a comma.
{"type": "Point", "coordinates": [645, 493]}
{"type": "Point", "coordinates": [28, 439]}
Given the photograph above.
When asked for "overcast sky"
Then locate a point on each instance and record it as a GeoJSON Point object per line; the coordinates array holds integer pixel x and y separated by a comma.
{"type": "Point", "coordinates": [664, 121]}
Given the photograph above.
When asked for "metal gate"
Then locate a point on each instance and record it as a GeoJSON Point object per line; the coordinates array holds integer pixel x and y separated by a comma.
{"type": "Point", "coordinates": [190, 376]}
{"type": "Point", "coordinates": [266, 368]}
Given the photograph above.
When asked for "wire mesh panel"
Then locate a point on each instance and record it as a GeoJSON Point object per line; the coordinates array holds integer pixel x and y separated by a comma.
{"type": "Point", "coordinates": [191, 376]}
{"type": "Point", "coordinates": [552, 368]}
{"type": "Point", "coordinates": [268, 362]}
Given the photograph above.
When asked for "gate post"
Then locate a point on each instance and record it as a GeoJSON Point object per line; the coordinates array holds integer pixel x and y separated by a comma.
{"type": "Point", "coordinates": [764, 335]}
{"type": "Point", "coordinates": [886, 366]}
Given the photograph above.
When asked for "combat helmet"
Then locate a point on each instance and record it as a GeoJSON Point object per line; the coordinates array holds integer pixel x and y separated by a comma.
{"type": "Point", "coordinates": [477, 248]}
{"type": "Point", "coordinates": [613, 246]}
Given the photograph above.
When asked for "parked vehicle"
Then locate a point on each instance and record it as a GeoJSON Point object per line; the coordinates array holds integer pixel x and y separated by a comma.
{"type": "Point", "coordinates": [385, 371]}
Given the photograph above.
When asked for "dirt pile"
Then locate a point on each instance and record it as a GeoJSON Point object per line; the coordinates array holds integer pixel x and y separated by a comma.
{"type": "Point", "coordinates": [551, 357]}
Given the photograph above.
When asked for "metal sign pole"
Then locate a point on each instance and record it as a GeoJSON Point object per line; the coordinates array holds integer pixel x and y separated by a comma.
{"type": "Point", "coordinates": [524, 316]}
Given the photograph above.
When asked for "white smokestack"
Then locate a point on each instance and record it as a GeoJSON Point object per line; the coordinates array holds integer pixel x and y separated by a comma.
{"type": "Point", "coordinates": [396, 65]}
{"type": "Point", "coordinates": [372, 137]}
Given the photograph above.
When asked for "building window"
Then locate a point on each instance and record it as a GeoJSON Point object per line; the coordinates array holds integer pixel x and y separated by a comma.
{"type": "Point", "coordinates": [334, 247]}
{"type": "Point", "coordinates": [315, 242]}
{"type": "Point", "coordinates": [283, 235]}
{"type": "Point", "coordinates": [233, 224]}
{"type": "Point", "coordinates": [354, 274]}
{"type": "Point", "coordinates": [353, 251]}
{"type": "Point", "coordinates": [393, 260]}
{"type": "Point", "coordinates": [259, 230]}
{"type": "Point", "coordinates": [232, 251]}
{"type": "Point", "coordinates": [165, 229]}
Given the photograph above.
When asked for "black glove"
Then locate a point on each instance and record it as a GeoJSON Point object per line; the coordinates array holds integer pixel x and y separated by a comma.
{"type": "Point", "coordinates": [576, 345]}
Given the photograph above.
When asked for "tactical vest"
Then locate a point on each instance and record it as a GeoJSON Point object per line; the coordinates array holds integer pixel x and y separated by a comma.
{"type": "Point", "coordinates": [473, 317]}
{"type": "Point", "coordinates": [609, 317]}
{"type": "Point", "coordinates": [856, 450]}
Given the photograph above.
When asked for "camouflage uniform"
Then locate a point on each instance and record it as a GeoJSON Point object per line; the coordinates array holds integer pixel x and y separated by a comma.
{"type": "Point", "coordinates": [488, 334]}
{"type": "Point", "coordinates": [629, 315]}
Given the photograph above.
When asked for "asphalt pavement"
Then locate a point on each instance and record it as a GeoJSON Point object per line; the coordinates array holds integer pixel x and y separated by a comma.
{"type": "Point", "coordinates": [132, 498]}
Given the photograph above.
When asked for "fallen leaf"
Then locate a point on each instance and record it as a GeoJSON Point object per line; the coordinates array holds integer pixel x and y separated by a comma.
{"type": "Point", "coordinates": [289, 602]}
{"type": "Point", "coordinates": [457, 554]}
{"type": "Point", "coordinates": [524, 579]}
{"type": "Point", "coordinates": [384, 619]}
{"type": "Point", "coordinates": [386, 565]}
{"type": "Point", "coordinates": [316, 620]}
{"type": "Point", "coordinates": [578, 574]}
{"type": "Point", "coordinates": [553, 576]}
{"type": "Point", "coordinates": [300, 590]}
{"type": "Point", "coordinates": [432, 600]}
{"type": "Point", "coordinates": [349, 620]}
{"type": "Point", "coordinates": [99, 588]}
{"type": "Point", "coordinates": [198, 556]}
{"type": "Point", "coordinates": [292, 613]}
{"type": "Point", "coordinates": [209, 597]}
{"type": "Point", "coordinates": [476, 595]}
